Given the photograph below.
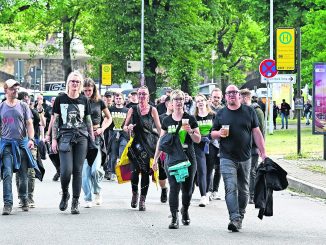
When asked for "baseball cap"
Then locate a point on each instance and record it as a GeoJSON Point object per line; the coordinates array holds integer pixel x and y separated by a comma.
{"type": "Point", "coordinates": [133, 92]}
{"type": "Point", "coordinates": [108, 94]}
{"type": "Point", "coordinates": [11, 82]}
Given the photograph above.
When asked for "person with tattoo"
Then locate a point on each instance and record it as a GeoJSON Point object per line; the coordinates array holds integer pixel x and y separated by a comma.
{"type": "Point", "coordinates": [72, 116]}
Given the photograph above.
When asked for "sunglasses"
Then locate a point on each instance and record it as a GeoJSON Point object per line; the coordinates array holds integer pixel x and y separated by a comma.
{"type": "Point", "coordinates": [234, 92]}
{"type": "Point", "coordinates": [142, 94]}
{"type": "Point", "coordinates": [74, 81]}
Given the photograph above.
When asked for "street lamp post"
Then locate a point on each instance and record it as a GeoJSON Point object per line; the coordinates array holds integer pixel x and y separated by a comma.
{"type": "Point", "coordinates": [142, 77]}
{"type": "Point", "coordinates": [213, 58]}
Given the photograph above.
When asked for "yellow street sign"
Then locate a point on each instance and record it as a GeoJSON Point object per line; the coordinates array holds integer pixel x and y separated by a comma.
{"type": "Point", "coordinates": [106, 74]}
{"type": "Point", "coordinates": [285, 49]}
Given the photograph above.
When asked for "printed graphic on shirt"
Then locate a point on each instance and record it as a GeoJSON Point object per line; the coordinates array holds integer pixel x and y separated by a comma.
{"type": "Point", "coordinates": [72, 115]}
{"type": "Point", "coordinates": [118, 119]}
{"type": "Point", "coordinates": [182, 133]}
{"type": "Point", "coordinates": [205, 126]}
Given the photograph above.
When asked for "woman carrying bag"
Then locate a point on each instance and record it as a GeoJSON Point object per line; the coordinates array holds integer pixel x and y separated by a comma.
{"type": "Point", "coordinates": [140, 121]}
{"type": "Point", "coordinates": [188, 134]}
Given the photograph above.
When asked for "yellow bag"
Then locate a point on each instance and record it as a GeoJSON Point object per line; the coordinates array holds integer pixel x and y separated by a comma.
{"type": "Point", "coordinates": [155, 173]}
{"type": "Point", "coordinates": [123, 169]}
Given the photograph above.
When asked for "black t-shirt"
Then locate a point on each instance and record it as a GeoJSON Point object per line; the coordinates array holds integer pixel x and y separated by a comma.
{"type": "Point", "coordinates": [47, 115]}
{"type": "Point", "coordinates": [118, 117]}
{"type": "Point", "coordinates": [131, 104]}
{"type": "Point", "coordinates": [72, 112]}
{"type": "Point", "coordinates": [96, 111]}
{"type": "Point", "coordinates": [36, 123]}
{"type": "Point", "coordinates": [237, 146]}
{"type": "Point", "coordinates": [205, 123]}
{"type": "Point", "coordinates": [170, 125]}
{"type": "Point", "coordinates": [161, 108]}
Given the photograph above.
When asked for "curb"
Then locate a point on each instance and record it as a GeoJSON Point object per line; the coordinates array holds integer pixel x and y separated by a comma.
{"type": "Point", "coordinates": [306, 187]}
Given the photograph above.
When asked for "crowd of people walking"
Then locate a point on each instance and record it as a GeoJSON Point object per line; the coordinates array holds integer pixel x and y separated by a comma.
{"type": "Point", "coordinates": [85, 135]}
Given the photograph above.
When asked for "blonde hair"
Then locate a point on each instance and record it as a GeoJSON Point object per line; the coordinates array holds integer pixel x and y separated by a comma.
{"type": "Point", "coordinates": [208, 108]}
{"type": "Point", "coordinates": [176, 93]}
{"type": "Point", "coordinates": [75, 74]}
{"type": "Point", "coordinates": [245, 92]}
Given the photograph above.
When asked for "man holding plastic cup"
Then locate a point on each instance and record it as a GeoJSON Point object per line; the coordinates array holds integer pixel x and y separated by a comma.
{"type": "Point", "coordinates": [235, 126]}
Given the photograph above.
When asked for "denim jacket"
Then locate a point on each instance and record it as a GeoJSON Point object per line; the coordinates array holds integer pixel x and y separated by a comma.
{"type": "Point", "coordinates": [16, 145]}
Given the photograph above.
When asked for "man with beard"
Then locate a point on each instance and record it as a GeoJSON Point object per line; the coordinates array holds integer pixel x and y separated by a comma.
{"type": "Point", "coordinates": [236, 125]}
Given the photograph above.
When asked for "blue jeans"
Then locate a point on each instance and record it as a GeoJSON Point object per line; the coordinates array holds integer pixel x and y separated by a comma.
{"type": "Point", "coordinates": [8, 165]}
{"type": "Point", "coordinates": [92, 177]}
{"type": "Point", "coordinates": [117, 147]}
{"type": "Point", "coordinates": [283, 116]}
{"type": "Point", "coordinates": [236, 181]}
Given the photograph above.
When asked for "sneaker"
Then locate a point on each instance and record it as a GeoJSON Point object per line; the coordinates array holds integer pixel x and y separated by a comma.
{"type": "Point", "coordinates": [25, 205]}
{"type": "Point", "coordinates": [88, 204]}
{"type": "Point", "coordinates": [114, 177]}
{"type": "Point", "coordinates": [6, 209]}
{"type": "Point", "coordinates": [20, 204]}
{"type": "Point", "coordinates": [98, 199]}
{"type": "Point", "coordinates": [203, 202]}
{"type": "Point", "coordinates": [234, 225]}
{"type": "Point", "coordinates": [215, 196]}
{"type": "Point", "coordinates": [31, 202]}
{"type": "Point", "coordinates": [56, 177]}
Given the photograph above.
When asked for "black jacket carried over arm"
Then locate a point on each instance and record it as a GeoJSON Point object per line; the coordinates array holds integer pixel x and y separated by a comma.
{"type": "Point", "coordinates": [270, 177]}
{"type": "Point", "coordinates": [171, 145]}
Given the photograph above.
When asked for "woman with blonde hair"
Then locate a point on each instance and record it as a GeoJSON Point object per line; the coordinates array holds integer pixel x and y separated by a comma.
{"type": "Point", "coordinates": [92, 172]}
{"type": "Point", "coordinates": [71, 128]}
{"type": "Point", "coordinates": [186, 128]}
{"type": "Point", "coordinates": [206, 153]}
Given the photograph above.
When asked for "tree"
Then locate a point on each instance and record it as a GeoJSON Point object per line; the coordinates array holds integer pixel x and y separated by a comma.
{"type": "Point", "coordinates": [34, 21]}
{"type": "Point", "coordinates": [172, 28]}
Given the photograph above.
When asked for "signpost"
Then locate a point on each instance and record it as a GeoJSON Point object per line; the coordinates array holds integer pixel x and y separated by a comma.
{"type": "Point", "coordinates": [280, 78]}
{"type": "Point", "coordinates": [106, 74]}
{"type": "Point", "coordinates": [267, 68]}
{"type": "Point", "coordinates": [133, 66]}
{"type": "Point", "coordinates": [285, 49]}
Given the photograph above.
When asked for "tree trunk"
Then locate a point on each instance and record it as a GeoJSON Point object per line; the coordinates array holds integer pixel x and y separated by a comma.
{"type": "Point", "coordinates": [151, 79]}
{"type": "Point", "coordinates": [185, 85]}
{"type": "Point", "coordinates": [66, 63]}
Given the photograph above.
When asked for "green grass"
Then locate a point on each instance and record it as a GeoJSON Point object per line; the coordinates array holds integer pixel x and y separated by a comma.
{"type": "Point", "coordinates": [284, 143]}
{"type": "Point", "coordinates": [316, 168]}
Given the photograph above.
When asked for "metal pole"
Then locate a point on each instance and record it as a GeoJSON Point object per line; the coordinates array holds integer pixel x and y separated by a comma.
{"type": "Point", "coordinates": [299, 94]}
{"type": "Point", "coordinates": [270, 90]}
{"type": "Point", "coordinates": [142, 80]}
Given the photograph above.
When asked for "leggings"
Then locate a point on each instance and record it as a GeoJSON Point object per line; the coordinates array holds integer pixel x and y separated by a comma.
{"type": "Point", "coordinates": [71, 162]}
{"type": "Point", "coordinates": [144, 183]}
{"type": "Point", "coordinates": [186, 186]}
{"type": "Point", "coordinates": [205, 165]}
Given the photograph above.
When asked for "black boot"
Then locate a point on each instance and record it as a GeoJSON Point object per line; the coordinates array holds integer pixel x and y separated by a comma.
{"type": "Point", "coordinates": [75, 206]}
{"type": "Point", "coordinates": [134, 199]}
{"type": "Point", "coordinates": [175, 220]}
{"type": "Point", "coordinates": [64, 201]}
{"type": "Point", "coordinates": [164, 195]}
{"type": "Point", "coordinates": [185, 216]}
{"type": "Point", "coordinates": [142, 206]}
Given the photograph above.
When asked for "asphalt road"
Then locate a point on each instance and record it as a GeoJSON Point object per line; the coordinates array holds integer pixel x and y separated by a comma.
{"type": "Point", "coordinates": [297, 220]}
